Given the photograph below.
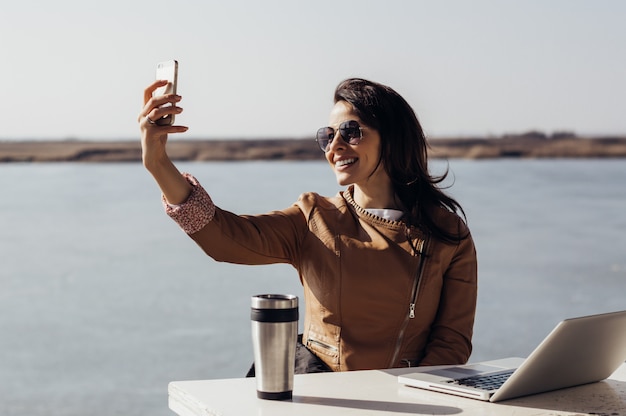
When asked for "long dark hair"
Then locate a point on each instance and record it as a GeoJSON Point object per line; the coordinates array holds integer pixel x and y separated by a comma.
{"type": "Point", "coordinates": [403, 153]}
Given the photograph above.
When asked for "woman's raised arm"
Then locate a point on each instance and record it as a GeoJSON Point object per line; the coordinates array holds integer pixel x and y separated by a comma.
{"type": "Point", "coordinates": [174, 186]}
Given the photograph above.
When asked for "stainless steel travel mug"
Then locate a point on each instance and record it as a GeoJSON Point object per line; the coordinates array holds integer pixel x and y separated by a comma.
{"type": "Point", "coordinates": [274, 336]}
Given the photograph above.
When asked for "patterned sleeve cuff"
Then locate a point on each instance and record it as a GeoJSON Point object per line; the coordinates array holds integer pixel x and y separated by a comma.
{"type": "Point", "coordinates": [196, 212]}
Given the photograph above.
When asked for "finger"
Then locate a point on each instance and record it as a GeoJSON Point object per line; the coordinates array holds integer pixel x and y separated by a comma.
{"type": "Point", "coordinates": [154, 105]}
{"type": "Point", "coordinates": [146, 122]}
{"type": "Point", "coordinates": [151, 118]}
{"type": "Point", "coordinates": [154, 128]}
{"type": "Point", "coordinates": [163, 100]}
{"type": "Point", "coordinates": [176, 129]}
{"type": "Point", "coordinates": [149, 123]}
{"type": "Point", "coordinates": [167, 110]}
{"type": "Point", "coordinates": [147, 93]}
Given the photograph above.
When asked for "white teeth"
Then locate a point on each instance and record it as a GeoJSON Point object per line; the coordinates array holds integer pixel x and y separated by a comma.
{"type": "Point", "coordinates": [344, 162]}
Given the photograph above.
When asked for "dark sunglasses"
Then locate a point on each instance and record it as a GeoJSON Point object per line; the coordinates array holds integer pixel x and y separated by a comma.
{"type": "Point", "coordinates": [350, 132]}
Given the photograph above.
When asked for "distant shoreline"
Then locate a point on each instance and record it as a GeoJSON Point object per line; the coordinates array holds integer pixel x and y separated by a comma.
{"type": "Point", "coordinates": [529, 145]}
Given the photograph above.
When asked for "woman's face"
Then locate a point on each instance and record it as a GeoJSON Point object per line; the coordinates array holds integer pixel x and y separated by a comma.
{"type": "Point", "coordinates": [355, 163]}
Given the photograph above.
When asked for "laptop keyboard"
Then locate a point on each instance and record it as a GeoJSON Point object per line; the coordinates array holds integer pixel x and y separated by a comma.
{"type": "Point", "coordinates": [485, 382]}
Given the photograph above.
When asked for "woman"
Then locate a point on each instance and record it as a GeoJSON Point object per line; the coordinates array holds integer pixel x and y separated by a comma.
{"type": "Point", "coordinates": [388, 267]}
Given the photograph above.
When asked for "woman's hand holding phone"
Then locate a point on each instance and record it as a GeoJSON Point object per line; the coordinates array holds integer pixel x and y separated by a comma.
{"type": "Point", "coordinates": [174, 186]}
{"type": "Point", "coordinates": [154, 136]}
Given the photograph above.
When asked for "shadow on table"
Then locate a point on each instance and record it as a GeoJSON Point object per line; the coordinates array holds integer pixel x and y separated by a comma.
{"type": "Point", "coordinates": [606, 397]}
{"type": "Point", "coordinates": [395, 407]}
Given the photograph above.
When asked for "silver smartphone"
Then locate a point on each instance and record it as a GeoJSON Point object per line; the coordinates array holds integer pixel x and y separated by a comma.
{"type": "Point", "coordinates": [167, 70]}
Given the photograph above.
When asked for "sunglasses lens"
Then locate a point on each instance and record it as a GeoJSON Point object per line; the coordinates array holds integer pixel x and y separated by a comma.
{"type": "Point", "coordinates": [325, 135]}
{"type": "Point", "coordinates": [350, 132]}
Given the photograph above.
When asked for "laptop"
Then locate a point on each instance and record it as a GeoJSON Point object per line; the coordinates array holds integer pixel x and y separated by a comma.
{"type": "Point", "coordinates": [577, 351]}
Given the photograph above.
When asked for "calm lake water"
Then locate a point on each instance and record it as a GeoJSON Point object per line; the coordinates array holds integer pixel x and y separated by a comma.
{"type": "Point", "coordinates": [103, 300]}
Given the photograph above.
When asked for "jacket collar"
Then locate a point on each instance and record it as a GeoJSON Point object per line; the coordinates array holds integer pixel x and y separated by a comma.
{"type": "Point", "coordinates": [348, 195]}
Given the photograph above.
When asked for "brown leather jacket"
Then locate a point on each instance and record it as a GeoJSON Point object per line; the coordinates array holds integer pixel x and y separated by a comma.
{"type": "Point", "coordinates": [377, 294]}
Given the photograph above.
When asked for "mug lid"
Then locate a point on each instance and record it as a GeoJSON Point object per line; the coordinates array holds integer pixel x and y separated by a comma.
{"type": "Point", "coordinates": [274, 301]}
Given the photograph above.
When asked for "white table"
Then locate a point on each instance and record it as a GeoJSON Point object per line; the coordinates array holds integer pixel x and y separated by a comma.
{"type": "Point", "coordinates": [377, 392]}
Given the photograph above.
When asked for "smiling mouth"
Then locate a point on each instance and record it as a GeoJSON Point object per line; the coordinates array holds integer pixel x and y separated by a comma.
{"type": "Point", "coordinates": [344, 162]}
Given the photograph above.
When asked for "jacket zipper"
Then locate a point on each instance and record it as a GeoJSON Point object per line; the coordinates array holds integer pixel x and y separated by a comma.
{"type": "Point", "coordinates": [322, 345]}
{"type": "Point", "coordinates": [421, 249]}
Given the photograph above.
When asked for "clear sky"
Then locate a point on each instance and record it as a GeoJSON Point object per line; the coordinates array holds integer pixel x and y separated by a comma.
{"type": "Point", "coordinates": [250, 69]}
